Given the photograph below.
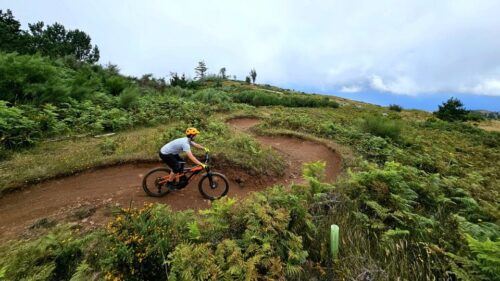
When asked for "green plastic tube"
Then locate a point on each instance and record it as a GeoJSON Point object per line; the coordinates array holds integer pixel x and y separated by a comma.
{"type": "Point", "coordinates": [334, 240]}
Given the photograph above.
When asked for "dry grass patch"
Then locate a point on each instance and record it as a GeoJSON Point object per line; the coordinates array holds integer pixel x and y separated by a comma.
{"type": "Point", "coordinates": [490, 125]}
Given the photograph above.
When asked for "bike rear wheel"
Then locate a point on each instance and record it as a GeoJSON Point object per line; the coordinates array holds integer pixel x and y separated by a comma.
{"type": "Point", "coordinates": [153, 182]}
{"type": "Point", "coordinates": [213, 186]}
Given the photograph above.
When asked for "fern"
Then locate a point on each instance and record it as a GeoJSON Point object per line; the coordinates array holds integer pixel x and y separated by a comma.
{"type": "Point", "coordinates": [481, 230]}
{"type": "Point", "coordinates": [83, 272]}
{"type": "Point", "coordinates": [381, 211]}
{"type": "Point", "coordinates": [394, 233]}
{"type": "Point", "coordinates": [486, 256]}
{"type": "Point", "coordinates": [194, 231]}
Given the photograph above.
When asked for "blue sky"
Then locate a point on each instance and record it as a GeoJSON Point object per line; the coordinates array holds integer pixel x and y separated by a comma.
{"type": "Point", "coordinates": [413, 53]}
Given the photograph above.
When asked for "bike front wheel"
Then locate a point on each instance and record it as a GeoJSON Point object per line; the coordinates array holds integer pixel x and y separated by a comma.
{"type": "Point", "coordinates": [213, 186]}
{"type": "Point", "coordinates": [154, 183]}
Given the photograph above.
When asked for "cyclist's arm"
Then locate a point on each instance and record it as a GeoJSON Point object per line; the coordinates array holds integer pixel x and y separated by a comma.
{"type": "Point", "coordinates": [192, 158]}
{"type": "Point", "coordinates": [197, 145]}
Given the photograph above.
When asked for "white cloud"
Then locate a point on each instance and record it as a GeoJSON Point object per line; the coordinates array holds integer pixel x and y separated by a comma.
{"type": "Point", "coordinates": [402, 47]}
{"type": "Point", "coordinates": [351, 89]}
{"type": "Point", "coordinates": [378, 84]}
{"type": "Point", "coordinates": [400, 85]}
{"type": "Point", "coordinates": [488, 87]}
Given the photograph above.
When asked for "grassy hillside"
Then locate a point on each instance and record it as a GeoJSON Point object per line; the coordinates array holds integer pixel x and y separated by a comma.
{"type": "Point", "coordinates": [418, 199]}
{"type": "Point", "coordinates": [419, 193]}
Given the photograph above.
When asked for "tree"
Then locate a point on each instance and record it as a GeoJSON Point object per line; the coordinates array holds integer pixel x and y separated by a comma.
{"type": "Point", "coordinates": [112, 68]}
{"type": "Point", "coordinates": [12, 38]}
{"type": "Point", "coordinates": [452, 110]}
{"type": "Point", "coordinates": [395, 107]}
{"type": "Point", "coordinates": [51, 40]}
{"type": "Point", "coordinates": [175, 80]}
{"type": "Point", "coordinates": [55, 41]}
{"type": "Point", "coordinates": [248, 80]}
{"type": "Point", "coordinates": [201, 69]}
{"type": "Point", "coordinates": [78, 44]}
{"type": "Point", "coordinates": [222, 73]}
{"type": "Point", "coordinates": [253, 74]}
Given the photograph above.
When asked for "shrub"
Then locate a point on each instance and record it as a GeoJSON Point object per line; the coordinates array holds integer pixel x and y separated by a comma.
{"type": "Point", "coordinates": [115, 84]}
{"type": "Point", "coordinates": [211, 96]}
{"type": "Point", "coordinates": [108, 146]}
{"type": "Point", "coordinates": [398, 197]}
{"type": "Point", "coordinates": [486, 257]}
{"type": "Point", "coordinates": [129, 98]}
{"type": "Point", "coordinates": [16, 130]}
{"type": "Point", "coordinates": [382, 127]}
{"type": "Point", "coordinates": [262, 98]}
{"type": "Point", "coordinates": [116, 119]}
{"type": "Point", "coordinates": [52, 257]}
{"type": "Point", "coordinates": [33, 79]}
{"type": "Point", "coordinates": [140, 241]}
{"type": "Point", "coordinates": [452, 110]}
{"type": "Point", "coordinates": [475, 116]}
{"type": "Point", "coordinates": [395, 107]}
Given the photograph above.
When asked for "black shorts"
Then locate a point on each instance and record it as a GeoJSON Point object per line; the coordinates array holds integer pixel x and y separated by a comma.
{"type": "Point", "coordinates": [173, 161]}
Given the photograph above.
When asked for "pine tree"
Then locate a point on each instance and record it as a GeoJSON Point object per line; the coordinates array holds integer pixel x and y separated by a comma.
{"type": "Point", "coordinates": [12, 38]}
{"type": "Point", "coordinates": [200, 70]}
{"type": "Point", "coordinates": [222, 73]}
{"type": "Point", "coordinates": [253, 74]}
{"type": "Point", "coordinates": [452, 110]}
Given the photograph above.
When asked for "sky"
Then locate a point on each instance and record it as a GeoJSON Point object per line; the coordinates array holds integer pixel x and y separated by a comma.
{"type": "Point", "coordinates": [412, 53]}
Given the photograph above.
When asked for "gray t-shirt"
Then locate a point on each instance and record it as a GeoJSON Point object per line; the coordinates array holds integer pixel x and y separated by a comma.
{"type": "Point", "coordinates": [177, 146]}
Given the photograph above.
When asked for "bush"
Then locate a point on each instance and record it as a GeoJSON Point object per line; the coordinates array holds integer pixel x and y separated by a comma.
{"type": "Point", "coordinates": [486, 257]}
{"type": "Point", "coordinates": [452, 110]}
{"type": "Point", "coordinates": [129, 98]}
{"type": "Point", "coordinates": [52, 257]}
{"type": "Point", "coordinates": [33, 79]}
{"type": "Point", "coordinates": [382, 127]}
{"type": "Point", "coordinates": [108, 146]}
{"type": "Point", "coordinates": [395, 107]}
{"type": "Point", "coordinates": [16, 130]}
{"type": "Point", "coordinates": [211, 96]}
{"type": "Point", "coordinates": [475, 116]}
{"type": "Point", "coordinates": [115, 84]}
{"type": "Point", "coordinates": [262, 98]}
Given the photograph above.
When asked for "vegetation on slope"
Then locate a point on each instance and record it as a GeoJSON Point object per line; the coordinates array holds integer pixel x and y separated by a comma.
{"type": "Point", "coordinates": [419, 201]}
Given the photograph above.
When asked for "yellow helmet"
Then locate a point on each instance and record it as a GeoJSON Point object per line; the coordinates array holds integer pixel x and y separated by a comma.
{"type": "Point", "coordinates": [192, 131]}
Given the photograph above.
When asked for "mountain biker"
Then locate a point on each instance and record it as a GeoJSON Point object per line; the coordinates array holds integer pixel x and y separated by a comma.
{"type": "Point", "coordinates": [169, 153]}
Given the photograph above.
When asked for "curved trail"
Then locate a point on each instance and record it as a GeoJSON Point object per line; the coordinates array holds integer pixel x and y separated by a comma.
{"type": "Point", "coordinates": [296, 151]}
{"type": "Point", "coordinates": [94, 192]}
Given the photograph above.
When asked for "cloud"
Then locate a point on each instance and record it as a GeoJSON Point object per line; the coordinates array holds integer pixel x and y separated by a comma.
{"type": "Point", "coordinates": [351, 89]}
{"type": "Point", "coordinates": [378, 84]}
{"type": "Point", "coordinates": [401, 47]}
{"type": "Point", "coordinates": [400, 85]}
{"type": "Point", "coordinates": [488, 87]}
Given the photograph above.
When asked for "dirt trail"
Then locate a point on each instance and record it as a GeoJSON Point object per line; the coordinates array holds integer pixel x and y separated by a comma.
{"type": "Point", "coordinates": [93, 192]}
{"type": "Point", "coordinates": [296, 151]}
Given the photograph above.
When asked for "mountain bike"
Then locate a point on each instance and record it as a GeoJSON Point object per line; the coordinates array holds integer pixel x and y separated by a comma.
{"type": "Point", "coordinates": [212, 185]}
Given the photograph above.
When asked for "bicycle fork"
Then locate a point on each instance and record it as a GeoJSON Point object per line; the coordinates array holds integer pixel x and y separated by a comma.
{"type": "Point", "coordinates": [213, 185]}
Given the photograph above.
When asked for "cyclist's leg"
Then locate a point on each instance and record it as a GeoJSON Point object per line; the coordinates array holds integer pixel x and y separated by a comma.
{"type": "Point", "coordinates": [177, 167]}
{"type": "Point", "coordinates": [172, 161]}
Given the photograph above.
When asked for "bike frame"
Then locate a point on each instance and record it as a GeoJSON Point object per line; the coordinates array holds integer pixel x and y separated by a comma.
{"type": "Point", "coordinates": [189, 172]}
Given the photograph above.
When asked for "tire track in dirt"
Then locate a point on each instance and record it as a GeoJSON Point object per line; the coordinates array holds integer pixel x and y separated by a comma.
{"type": "Point", "coordinates": [98, 190]}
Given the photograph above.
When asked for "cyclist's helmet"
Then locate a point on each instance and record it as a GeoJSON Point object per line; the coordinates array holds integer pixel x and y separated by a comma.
{"type": "Point", "coordinates": [192, 131]}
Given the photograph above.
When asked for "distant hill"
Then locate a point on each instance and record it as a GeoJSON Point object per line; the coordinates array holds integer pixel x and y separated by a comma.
{"type": "Point", "coordinates": [487, 114]}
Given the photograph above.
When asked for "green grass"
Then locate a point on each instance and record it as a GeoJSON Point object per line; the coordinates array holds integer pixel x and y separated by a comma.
{"type": "Point", "coordinates": [382, 127]}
